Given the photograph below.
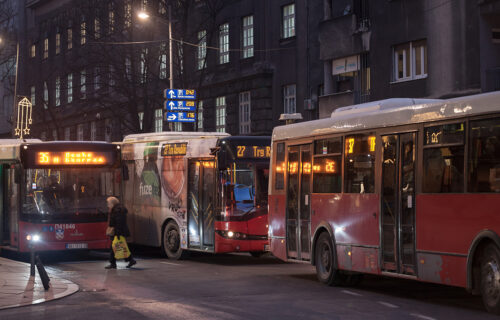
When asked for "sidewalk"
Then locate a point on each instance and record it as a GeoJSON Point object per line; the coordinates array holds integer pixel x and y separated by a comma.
{"type": "Point", "coordinates": [18, 289]}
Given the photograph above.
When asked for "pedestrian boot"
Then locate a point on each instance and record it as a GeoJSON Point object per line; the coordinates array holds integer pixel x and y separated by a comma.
{"type": "Point", "coordinates": [110, 266]}
{"type": "Point", "coordinates": [131, 263]}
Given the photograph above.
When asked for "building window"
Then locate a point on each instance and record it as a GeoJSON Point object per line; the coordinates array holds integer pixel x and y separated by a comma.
{"type": "Point", "coordinates": [288, 21]}
{"type": "Point", "coordinates": [245, 122]}
{"type": "Point", "coordinates": [70, 88]}
{"type": "Point", "coordinates": [144, 65]}
{"type": "Point", "coordinates": [247, 37]}
{"type": "Point", "coordinates": [70, 38]}
{"type": "Point", "coordinates": [140, 116]}
{"type": "Point", "coordinates": [67, 133]}
{"type": "Point", "coordinates": [107, 130]}
{"type": "Point", "coordinates": [163, 61]}
{"type": "Point", "coordinates": [58, 91]}
{"type": "Point", "coordinates": [97, 28]}
{"type": "Point", "coordinates": [33, 96]}
{"type": "Point", "coordinates": [289, 99]}
{"type": "Point", "coordinates": [410, 61]}
{"type": "Point", "coordinates": [83, 33]}
{"type": "Point", "coordinates": [201, 53]}
{"type": "Point", "coordinates": [224, 43]}
{"type": "Point", "coordinates": [158, 120]}
{"type": "Point", "coordinates": [97, 79]}
{"type": "Point", "coordinates": [58, 43]}
{"type": "Point", "coordinates": [220, 114]}
{"type": "Point", "coordinates": [128, 68]}
{"type": "Point", "coordinates": [43, 136]}
{"type": "Point", "coordinates": [45, 48]}
{"type": "Point", "coordinates": [33, 51]}
{"type": "Point", "coordinates": [83, 84]}
{"type": "Point", "coordinates": [54, 134]}
{"type": "Point", "coordinates": [45, 95]}
{"type": "Point", "coordinates": [177, 126]}
{"type": "Point", "coordinates": [93, 131]}
{"type": "Point", "coordinates": [162, 7]}
{"type": "Point", "coordinates": [79, 132]}
{"type": "Point", "coordinates": [127, 14]}
{"type": "Point", "coordinates": [200, 115]}
{"type": "Point", "coordinates": [111, 21]}
{"type": "Point", "coordinates": [111, 76]}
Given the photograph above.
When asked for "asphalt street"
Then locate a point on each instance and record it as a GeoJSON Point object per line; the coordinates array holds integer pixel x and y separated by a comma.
{"type": "Point", "coordinates": [235, 287]}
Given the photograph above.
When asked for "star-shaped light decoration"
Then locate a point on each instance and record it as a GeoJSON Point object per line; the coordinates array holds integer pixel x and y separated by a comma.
{"type": "Point", "coordinates": [24, 109]}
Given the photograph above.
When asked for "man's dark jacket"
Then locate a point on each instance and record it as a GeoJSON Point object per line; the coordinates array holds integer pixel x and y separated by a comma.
{"type": "Point", "coordinates": [118, 220]}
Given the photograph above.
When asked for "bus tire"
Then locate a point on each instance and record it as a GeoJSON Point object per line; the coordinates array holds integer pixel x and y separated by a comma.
{"type": "Point", "coordinates": [171, 243]}
{"type": "Point", "coordinates": [325, 263]}
{"type": "Point", "coordinates": [490, 278]}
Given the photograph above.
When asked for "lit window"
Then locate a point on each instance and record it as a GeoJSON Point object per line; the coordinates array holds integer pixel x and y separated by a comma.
{"type": "Point", "coordinates": [201, 53]}
{"type": "Point", "coordinates": [162, 7]}
{"type": "Point", "coordinates": [163, 62]}
{"type": "Point", "coordinates": [200, 115]}
{"type": "Point", "coordinates": [224, 43]}
{"type": "Point", "coordinates": [128, 14]}
{"type": "Point", "coordinates": [97, 28]}
{"type": "Point", "coordinates": [45, 48]}
{"type": "Point", "coordinates": [158, 120]}
{"type": "Point", "coordinates": [33, 96]}
{"type": "Point", "coordinates": [58, 43]}
{"type": "Point", "coordinates": [70, 38]}
{"type": "Point", "coordinates": [83, 84]}
{"type": "Point", "coordinates": [83, 33]}
{"type": "Point", "coordinates": [144, 65]}
{"type": "Point", "coordinates": [288, 21]}
{"type": "Point", "coordinates": [289, 99]}
{"type": "Point", "coordinates": [111, 21]}
{"type": "Point", "coordinates": [70, 88]}
{"type": "Point", "coordinates": [58, 92]}
{"type": "Point", "coordinates": [220, 114]}
{"type": "Point", "coordinates": [79, 132]}
{"type": "Point", "coordinates": [93, 131]}
{"type": "Point", "coordinates": [45, 95]}
{"type": "Point", "coordinates": [177, 126]}
{"type": "Point", "coordinates": [140, 116]}
{"type": "Point", "coordinates": [97, 78]}
{"type": "Point", "coordinates": [410, 61]}
{"type": "Point", "coordinates": [245, 122]}
{"type": "Point", "coordinates": [247, 37]}
{"type": "Point", "coordinates": [33, 51]}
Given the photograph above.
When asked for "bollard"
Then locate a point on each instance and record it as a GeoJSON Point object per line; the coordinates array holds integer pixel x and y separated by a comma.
{"type": "Point", "coordinates": [32, 260]}
{"type": "Point", "coordinates": [43, 274]}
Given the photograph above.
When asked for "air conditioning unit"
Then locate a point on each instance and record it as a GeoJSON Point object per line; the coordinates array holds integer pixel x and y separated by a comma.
{"type": "Point", "coordinates": [309, 104]}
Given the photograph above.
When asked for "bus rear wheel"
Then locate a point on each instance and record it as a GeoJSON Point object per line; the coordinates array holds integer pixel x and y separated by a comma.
{"type": "Point", "coordinates": [325, 268]}
{"type": "Point", "coordinates": [172, 241]}
{"type": "Point", "coordinates": [490, 278]}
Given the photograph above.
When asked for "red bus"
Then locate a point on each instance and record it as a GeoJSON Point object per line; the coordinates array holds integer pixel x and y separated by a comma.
{"type": "Point", "coordinates": [197, 191]}
{"type": "Point", "coordinates": [57, 191]}
{"type": "Point", "coordinates": [400, 187]}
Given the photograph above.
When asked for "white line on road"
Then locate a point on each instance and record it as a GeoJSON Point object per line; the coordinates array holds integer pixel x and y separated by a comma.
{"type": "Point", "coordinates": [173, 264]}
{"type": "Point", "coordinates": [422, 316]}
{"type": "Point", "coordinates": [352, 293]}
{"type": "Point", "coordinates": [387, 304]}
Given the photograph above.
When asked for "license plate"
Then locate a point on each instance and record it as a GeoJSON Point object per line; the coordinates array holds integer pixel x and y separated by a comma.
{"type": "Point", "coordinates": [77, 245]}
{"type": "Point", "coordinates": [266, 247]}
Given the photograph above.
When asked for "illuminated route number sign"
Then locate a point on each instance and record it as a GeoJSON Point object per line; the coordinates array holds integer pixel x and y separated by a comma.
{"type": "Point", "coordinates": [253, 151]}
{"type": "Point", "coordinates": [174, 149]}
{"type": "Point", "coordinates": [71, 158]}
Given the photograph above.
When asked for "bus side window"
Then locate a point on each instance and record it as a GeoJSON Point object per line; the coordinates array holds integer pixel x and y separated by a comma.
{"type": "Point", "coordinates": [359, 163]}
{"type": "Point", "coordinates": [444, 159]}
{"type": "Point", "coordinates": [280, 166]}
{"type": "Point", "coordinates": [327, 166]}
{"type": "Point", "coordinates": [484, 156]}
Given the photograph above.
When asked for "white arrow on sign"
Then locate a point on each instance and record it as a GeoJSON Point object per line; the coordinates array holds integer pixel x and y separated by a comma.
{"type": "Point", "coordinates": [171, 117]}
{"type": "Point", "coordinates": [171, 93]}
{"type": "Point", "coordinates": [171, 104]}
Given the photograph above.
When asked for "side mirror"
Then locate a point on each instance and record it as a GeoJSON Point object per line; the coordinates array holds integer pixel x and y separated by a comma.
{"type": "Point", "coordinates": [125, 172]}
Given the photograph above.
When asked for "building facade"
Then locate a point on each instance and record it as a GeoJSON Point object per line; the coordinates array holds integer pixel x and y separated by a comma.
{"type": "Point", "coordinates": [378, 49]}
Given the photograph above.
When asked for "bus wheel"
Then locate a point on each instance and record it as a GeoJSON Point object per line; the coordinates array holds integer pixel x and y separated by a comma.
{"type": "Point", "coordinates": [490, 279]}
{"type": "Point", "coordinates": [325, 269]}
{"type": "Point", "coordinates": [172, 241]}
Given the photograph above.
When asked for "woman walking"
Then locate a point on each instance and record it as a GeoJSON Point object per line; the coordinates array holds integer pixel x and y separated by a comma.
{"type": "Point", "coordinates": [118, 221]}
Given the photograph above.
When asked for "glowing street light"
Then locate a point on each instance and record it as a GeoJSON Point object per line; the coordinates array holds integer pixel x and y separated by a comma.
{"type": "Point", "coordinates": [143, 15]}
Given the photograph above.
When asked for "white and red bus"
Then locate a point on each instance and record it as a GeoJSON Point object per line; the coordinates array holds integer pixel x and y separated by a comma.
{"type": "Point", "coordinates": [197, 191]}
{"type": "Point", "coordinates": [400, 187]}
{"type": "Point", "coordinates": [57, 191]}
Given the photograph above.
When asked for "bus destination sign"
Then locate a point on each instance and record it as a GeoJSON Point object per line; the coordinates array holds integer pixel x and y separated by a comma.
{"type": "Point", "coordinates": [253, 151]}
{"type": "Point", "coordinates": [50, 158]}
{"type": "Point", "coordinates": [174, 149]}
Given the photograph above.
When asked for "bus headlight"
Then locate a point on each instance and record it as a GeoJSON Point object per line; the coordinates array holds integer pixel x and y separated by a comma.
{"type": "Point", "coordinates": [33, 237]}
{"type": "Point", "coordinates": [230, 234]}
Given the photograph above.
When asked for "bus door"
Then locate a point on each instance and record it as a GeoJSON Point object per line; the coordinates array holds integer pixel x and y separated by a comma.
{"type": "Point", "coordinates": [398, 203]}
{"type": "Point", "coordinates": [298, 202]}
{"type": "Point", "coordinates": [201, 204]}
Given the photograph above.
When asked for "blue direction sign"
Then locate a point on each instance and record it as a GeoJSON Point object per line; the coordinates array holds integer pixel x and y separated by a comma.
{"type": "Point", "coordinates": [180, 105]}
{"type": "Point", "coordinates": [180, 116]}
{"type": "Point", "coordinates": [180, 94]}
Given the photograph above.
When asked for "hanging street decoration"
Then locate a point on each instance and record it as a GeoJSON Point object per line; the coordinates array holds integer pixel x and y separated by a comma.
{"type": "Point", "coordinates": [24, 110]}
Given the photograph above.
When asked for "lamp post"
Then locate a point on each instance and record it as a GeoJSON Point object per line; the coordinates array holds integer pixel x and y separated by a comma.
{"type": "Point", "coordinates": [143, 15]}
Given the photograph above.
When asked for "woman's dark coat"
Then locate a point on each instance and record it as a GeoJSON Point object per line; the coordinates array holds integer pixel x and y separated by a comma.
{"type": "Point", "coordinates": [118, 220]}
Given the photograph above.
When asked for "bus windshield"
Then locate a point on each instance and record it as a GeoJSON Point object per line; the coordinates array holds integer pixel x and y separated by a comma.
{"type": "Point", "coordinates": [246, 187]}
{"type": "Point", "coordinates": [68, 193]}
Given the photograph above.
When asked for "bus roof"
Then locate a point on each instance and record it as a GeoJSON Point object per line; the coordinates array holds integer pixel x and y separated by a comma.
{"type": "Point", "coordinates": [391, 112]}
{"type": "Point", "coordinates": [162, 136]}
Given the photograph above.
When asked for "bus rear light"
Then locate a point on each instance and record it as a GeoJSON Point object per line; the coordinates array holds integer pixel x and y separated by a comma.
{"type": "Point", "coordinates": [239, 235]}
